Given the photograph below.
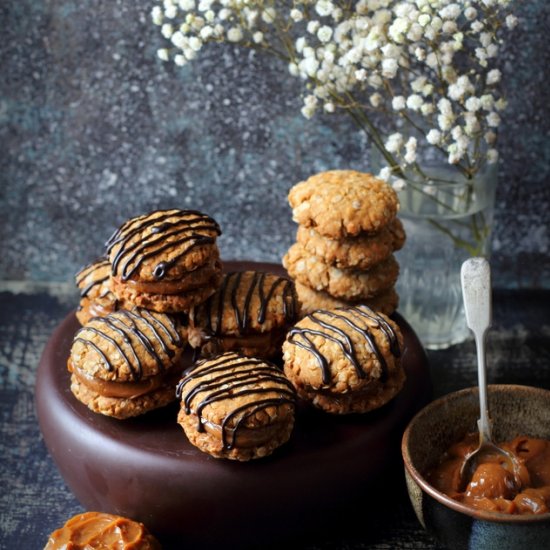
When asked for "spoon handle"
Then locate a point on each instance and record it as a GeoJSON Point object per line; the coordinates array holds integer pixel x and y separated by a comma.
{"type": "Point", "coordinates": [475, 276]}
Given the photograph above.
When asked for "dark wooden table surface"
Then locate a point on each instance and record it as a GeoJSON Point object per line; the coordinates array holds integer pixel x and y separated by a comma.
{"type": "Point", "coordinates": [34, 499]}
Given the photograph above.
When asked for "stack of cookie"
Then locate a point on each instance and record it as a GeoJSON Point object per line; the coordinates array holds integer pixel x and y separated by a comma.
{"type": "Point", "coordinates": [127, 357]}
{"type": "Point", "coordinates": [347, 234]}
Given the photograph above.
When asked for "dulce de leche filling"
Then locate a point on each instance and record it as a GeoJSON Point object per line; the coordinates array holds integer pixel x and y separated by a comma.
{"type": "Point", "coordinates": [105, 531]}
{"type": "Point", "coordinates": [260, 343]}
{"type": "Point", "coordinates": [126, 390]}
{"type": "Point", "coordinates": [243, 437]}
{"type": "Point", "coordinates": [493, 486]}
{"type": "Point", "coordinates": [193, 280]}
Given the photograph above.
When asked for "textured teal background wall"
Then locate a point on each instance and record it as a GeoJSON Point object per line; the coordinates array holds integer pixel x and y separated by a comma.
{"type": "Point", "coordinates": [94, 129]}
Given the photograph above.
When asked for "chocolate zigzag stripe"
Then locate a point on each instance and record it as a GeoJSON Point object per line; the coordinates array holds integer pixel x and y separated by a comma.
{"type": "Point", "coordinates": [170, 229]}
{"type": "Point", "coordinates": [234, 283]}
{"type": "Point", "coordinates": [353, 317]}
{"type": "Point", "coordinates": [163, 333]}
{"type": "Point", "coordinates": [218, 381]}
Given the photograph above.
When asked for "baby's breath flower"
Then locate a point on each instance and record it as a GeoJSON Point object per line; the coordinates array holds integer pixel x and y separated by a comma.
{"type": "Point", "coordinates": [310, 106]}
{"type": "Point", "coordinates": [394, 143]}
{"type": "Point", "coordinates": [410, 150]}
{"type": "Point", "coordinates": [162, 53]}
{"type": "Point", "coordinates": [296, 15]}
{"type": "Point", "coordinates": [389, 68]}
{"type": "Point", "coordinates": [157, 16]}
{"type": "Point", "coordinates": [186, 5]}
{"type": "Point", "coordinates": [511, 21]}
{"type": "Point", "coordinates": [375, 100]}
{"type": "Point", "coordinates": [385, 173]}
{"type": "Point", "coordinates": [324, 34]}
{"type": "Point", "coordinates": [493, 120]}
{"type": "Point", "coordinates": [180, 60]}
{"type": "Point", "coordinates": [434, 137]}
{"type": "Point", "coordinates": [361, 75]}
{"type": "Point", "coordinates": [313, 27]}
{"type": "Point", "coordinates": [234, 34]}
{"type": "Point", "coordinates": [167, 30]}
{"type": "Point", "coordinates": [399, 184]}
{"type": "Point", "coordinates": [470, 13]}
{"type": "Point", "coordinates": [170, 11]}
{"type": "Point", "coordinates": [473, 104]}
{"type": "Point", "coordinates": [324, 7]}
{"type": "Point", "coordinates": [445, 121]}
{"type": "Point", "coordinates": [427, 109]}
{"type": "Point", "coordinates": [428, 66]}
{"type": "Point", "coordinates": [493, 76]}
{"type": "Point", "coordinates": [414, 102]}
{"type": "Point", "coordinates": [398, 103]}
{"type": "Point", "coordinates": [501, 104]}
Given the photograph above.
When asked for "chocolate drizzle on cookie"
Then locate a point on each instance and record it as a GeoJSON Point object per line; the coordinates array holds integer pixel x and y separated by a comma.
{"type": "Point", "coordinates": [233, 288]}
{"type": "Point", "coordinates": [352, 317]}
{"type": "Point", "coordinates": [128, 332]}
{"type": "Point", "coordinates": [230, 377]}
{"type": "Point", "coordinates": [163, 232]}
{"type": "Point", "coordinates": [93, 272]}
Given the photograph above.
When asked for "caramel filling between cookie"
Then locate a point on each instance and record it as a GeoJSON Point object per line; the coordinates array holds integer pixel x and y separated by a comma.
{"type": "Point", "coordinates": [190, 281]}
{"type": "Point", "coordinates": [125, 390]}
{"type": "Point", "coordinates": [244, 437]}
{"type": "Point", "coordinates": [97, 309]}
{"type": "Point", "coordinates": [260, 343]}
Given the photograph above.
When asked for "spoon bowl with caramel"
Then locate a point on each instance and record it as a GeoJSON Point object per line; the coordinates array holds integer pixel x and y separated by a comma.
{"type": "Point", "coordinates": [499, 506]}
{"type": "Point", "coordinates": [475, 277]}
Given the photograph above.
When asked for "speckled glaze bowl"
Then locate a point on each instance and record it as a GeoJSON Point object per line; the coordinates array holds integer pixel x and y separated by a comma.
{"type": "Point", "coordinates": [515, 410]}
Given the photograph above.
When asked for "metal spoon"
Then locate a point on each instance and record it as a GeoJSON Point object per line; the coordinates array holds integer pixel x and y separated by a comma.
{"type": "Point", "coordinates": [475, 276]}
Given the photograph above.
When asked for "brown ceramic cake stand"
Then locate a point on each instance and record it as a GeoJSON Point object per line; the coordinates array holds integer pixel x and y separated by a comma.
{"type": "Point", "coordinates": [145, 469]}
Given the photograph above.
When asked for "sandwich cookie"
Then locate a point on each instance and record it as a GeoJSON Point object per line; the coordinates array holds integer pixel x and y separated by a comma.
{"type": "Point", "coordinates": [250, 313]}
{"type": "Point", "coordinates": [166, 261]}
{"type": "Point", "coordinates": [127, 363]}
{"type": "Point", "coordinates": [345, 360]}
{"type": "Point", "coordinates": [96, 297]}
{"type": "Point", "coordinates": [236, 407]}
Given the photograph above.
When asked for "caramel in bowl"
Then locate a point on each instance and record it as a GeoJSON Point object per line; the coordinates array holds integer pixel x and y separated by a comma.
{"type": "Point", "coordinates": [517, 411]}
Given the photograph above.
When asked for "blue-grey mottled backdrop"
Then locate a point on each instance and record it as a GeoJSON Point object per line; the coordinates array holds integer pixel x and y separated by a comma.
{"type": "Point", "coordinates": [95, 129]}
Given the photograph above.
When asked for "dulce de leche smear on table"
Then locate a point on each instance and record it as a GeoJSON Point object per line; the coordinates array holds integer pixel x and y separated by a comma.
{"type": "Point", "coordinates": [105, 531]}
{"type": "Point", "coordinates": [493, 487]}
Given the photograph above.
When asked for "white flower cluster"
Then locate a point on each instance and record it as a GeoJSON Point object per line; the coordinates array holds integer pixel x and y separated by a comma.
{"type": "Point", "coordinates": [425, 66]}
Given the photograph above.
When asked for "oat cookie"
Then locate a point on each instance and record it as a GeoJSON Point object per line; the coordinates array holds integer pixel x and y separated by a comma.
{"type": "Point", "coordinates": [167, 260]}
{"type": "Point", "coordinates": [250, 313]}
{"type": "Point", "coordinates": [236, 407]}
{"type": "Point", "coordinates": [102, 531]}
{"type": "Point", "coordinates": [345, 360]}
{"type": "Point", "coordinates": [127, 363]}
{"type": "Point", "coordinates": [343, 203]}
{"type": "Point", "coordinates": [346, 284]}
{"type": "Point", "coordinates": [96, 297]}
{"type": "Point", "coordinates": [361, 252]}
{"type": "Point", "coordinates": [386, 302]}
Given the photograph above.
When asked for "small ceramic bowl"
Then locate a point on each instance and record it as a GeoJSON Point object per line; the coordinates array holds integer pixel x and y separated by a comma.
{"type": "Point", "coordinates": [515, 410]}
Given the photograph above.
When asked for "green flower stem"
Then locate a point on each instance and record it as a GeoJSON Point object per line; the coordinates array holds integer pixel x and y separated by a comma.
{"type": "Point", "coordinates": [473, 250]}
